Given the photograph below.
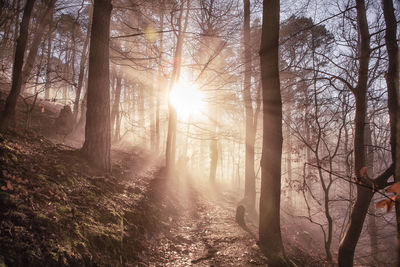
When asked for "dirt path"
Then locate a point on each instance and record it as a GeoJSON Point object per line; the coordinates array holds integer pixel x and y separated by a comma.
{"type": "Point", "coordinates": [201, 231]}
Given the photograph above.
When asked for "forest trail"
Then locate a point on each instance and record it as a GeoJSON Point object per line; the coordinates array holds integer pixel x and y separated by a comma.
{"type": "Point", "coordinates": [201, 229]}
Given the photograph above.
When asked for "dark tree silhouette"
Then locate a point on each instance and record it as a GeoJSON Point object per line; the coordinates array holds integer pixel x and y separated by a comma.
{"type": "Point", "coordinates": [97, 144]}
{"type": "Point", "coordinates": [392, 82]}
{"type": "Point", "coordinates": [8, 115]}
{"type": "Point", "coordinates": [269, 230]}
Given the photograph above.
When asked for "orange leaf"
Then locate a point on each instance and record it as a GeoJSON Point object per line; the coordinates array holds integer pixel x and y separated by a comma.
{"type": "Point", "coordinates": [363, 171]}
{"type": "Point", "coordinates": [386, 203]}
{"type": "Point", "coordinates": [394, 188]}
{"type": "Point", "coordinates": [381, 204]}
{"type": "Point", "coordinates": [42, 109]}
{"type": "Point", "coordinates": [9, 186]}
{"type": "Point", "coordinates": [3, 188]}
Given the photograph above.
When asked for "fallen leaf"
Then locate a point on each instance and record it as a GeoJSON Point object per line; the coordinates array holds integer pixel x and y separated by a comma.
{"type": "Point", "coordinates": [3, 188]}
{"type": "Point", "coordinates": [9, 186]}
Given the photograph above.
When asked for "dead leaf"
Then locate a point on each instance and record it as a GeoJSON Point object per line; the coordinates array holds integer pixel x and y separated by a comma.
{"type": "Point", "coordinates": [3, 188]}
{"type": "Point", "coordinates": [394, 188]}
{"type": "Point", "coordinates": [386, 203]}
{"type": "Point", "coordinates": [9, 186]}
{"type": "Point", "coordinates": [42, 110]}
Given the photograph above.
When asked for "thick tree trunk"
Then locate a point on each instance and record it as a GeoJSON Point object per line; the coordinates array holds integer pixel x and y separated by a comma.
{"type": "Point", "coordinates": [97, 144]}
{"type": "Point", "coordinates": [269, 229]}
{"type": "Point", "coordinates": [8, 116]}
{"type": "Point", "coordinates": [364, 195]}
{"type": "Point", "coordinates": [33, 50]}
{"type": "Point", "coordinates": [250, 184]}
{"type": "Point", "coordinates": [392, 81]}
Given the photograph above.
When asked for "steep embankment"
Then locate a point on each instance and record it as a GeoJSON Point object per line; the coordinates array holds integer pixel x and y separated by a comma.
{"type": "Point", "coordinates": [57, 210]}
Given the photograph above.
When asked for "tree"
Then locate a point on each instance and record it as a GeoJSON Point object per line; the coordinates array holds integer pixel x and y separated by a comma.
{"type": "Point", "coordinates": [37, 39]}
{"type": "Point", "coordinates": [8, 115]}
{"type": "Point", "coordinates": [392, 82]}
{"type": "Point", "coordinates": [172, 119]}
{"type": "Point", "coordinates": [365, 187]}
{"type": "Point", "coordinates": [97, 144]}
{"type": "Point", "coordinates": [269, 229]}
{"type": "Point", "coordinates": [250, 180]}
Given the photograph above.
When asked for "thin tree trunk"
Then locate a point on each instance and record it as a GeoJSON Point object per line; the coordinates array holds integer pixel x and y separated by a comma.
{"type": "Point", "coordinates": [97, 144]}
{"type": "Point", "coordinates": [115, 107]}
{"type": "Point", "coordinates": [172, 120]}
{"type": "Point", "coordinates": [392, 82]}
{"type": "Point", "coordinates": [159, 77]}
{"type": "Point", "coordinates": [8, 116]}
{"type": "Point", "coordinates": [82, 68]}
{"type": "Point", "coordinates": [49, 57]}
{"type": "Point", "coordinates": [364, 195]}
{"type": "Point", "coordinates": [270, 238]}
{"type": "Point", "coordinates": [250, 183]}
{"type": "Point", "coordinates": [30, 60]}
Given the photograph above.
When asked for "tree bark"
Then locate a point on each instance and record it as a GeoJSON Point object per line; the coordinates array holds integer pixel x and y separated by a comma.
{"type": "Point", "coordinates": [269, 229]}
{"type": "Point", "coordinates": [392, 82]}
{"type": "Point", "coordinates": [97, 144]}
{"type": "Point", "coordinates": [364, 195]}
{"type": "Point", "coordinates": [8, 116]}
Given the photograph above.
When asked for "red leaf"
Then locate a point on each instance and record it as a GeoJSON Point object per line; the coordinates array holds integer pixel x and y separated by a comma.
{"type": "Point", "coordinates": [3, 188]}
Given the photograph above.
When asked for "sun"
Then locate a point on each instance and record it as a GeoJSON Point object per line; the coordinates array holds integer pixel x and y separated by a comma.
{"type": "Point", "coordinates": [186, 99]}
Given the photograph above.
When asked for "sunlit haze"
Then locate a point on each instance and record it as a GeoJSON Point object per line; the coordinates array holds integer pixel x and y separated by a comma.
{"type": "Point", "coordinates": [186, 99]}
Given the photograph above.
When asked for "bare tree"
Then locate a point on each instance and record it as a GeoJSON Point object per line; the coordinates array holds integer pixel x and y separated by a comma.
{"type": "Point", "coordinates": [8, 116]}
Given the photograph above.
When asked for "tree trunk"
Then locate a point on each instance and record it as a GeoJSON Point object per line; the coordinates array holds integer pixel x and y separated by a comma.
{"type": "Point", "coordinates": [364, 195]}
{"type": "Point", "coordinates": [269, 229]}
{"type": "Point", "coordinates": [82, 69]}
{"type": "Point", "coordinates": [49, 56]}
{"type": "Point", "coordinates": [115, 108]}
{"type": "Point", "coordinates": [172, 119]}
{"type": "Point", "coordinates": [97, 144]}
{"type": "Point", "coordinates": [250, 184]}
{"type": "Point", "coordinates": [392, 81]}
{"type": "Point", "coordinates": [159, 78]}
{"type": "Point", "coordinates": [30, 60]}
{"type": "Point", "coordinates": [8, 116]}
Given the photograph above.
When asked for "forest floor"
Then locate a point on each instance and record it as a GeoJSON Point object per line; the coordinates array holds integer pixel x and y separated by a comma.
{"type": "Point", "coordinates": [57, 210]}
